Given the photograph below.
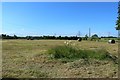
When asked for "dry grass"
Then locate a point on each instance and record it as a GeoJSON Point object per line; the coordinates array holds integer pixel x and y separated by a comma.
{"type": "Point", "coordinates": [25, 58]}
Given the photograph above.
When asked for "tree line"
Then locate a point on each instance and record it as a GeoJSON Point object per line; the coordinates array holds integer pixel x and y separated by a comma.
{"type": "Point", "coordinates": [4, 36]}
{"type": "Point", "coordinates": [93, 37]}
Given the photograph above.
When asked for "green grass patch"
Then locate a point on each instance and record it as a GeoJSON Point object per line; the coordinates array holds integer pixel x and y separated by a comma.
{"type": "Point", "coordinates": [72, 53]}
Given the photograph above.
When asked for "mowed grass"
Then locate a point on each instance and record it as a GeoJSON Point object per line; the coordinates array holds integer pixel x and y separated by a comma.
{"type": "Point", "coordinates": [28, 59]}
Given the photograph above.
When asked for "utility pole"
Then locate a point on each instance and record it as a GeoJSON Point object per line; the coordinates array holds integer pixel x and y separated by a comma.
{"type": "Point", "coordinates": [89, 32]}
{"type": "Point", "coordinates": [78, 33]}
{"type": "Point", "coordinates": [108, 34]}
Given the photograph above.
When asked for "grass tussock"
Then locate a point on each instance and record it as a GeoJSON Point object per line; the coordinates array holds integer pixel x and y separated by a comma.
{"type": "Point", "coordinates": [69, 52]}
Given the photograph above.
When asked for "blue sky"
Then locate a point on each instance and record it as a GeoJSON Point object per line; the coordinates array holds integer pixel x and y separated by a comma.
{"type": "Point", "coordinates": [60, 18]}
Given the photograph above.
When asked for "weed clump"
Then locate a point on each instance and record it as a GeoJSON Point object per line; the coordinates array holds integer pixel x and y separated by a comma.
{"type": "Point", "coordinates": [63, 52]}
{"type": "Point", "coordinates": [69, 52]}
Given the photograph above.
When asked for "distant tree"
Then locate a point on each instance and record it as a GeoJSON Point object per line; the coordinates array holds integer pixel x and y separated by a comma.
{"type": "Point", "coordinates": [31, 38]}
{"type": "Point", "coordinates": [3, 36]}
{"type": "Point", "coordinates": [15, 37]}
{"type": "Point", "coordinates": [118, 21]}
{"type": "Point", "coordinates": [94, 37]}
{"type": "Point", "coordinates": [0, 36]}
{"type": "Point", "coordinates": [28, 37]}
{"type": "Point", "coordinates": [59, 37]}
{"type": "Point", "coordinates": [86, 37]}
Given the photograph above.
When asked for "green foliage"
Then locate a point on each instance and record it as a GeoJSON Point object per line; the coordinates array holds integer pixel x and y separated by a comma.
{"type": "Point", "coordinates": [15, 37]}
{"type": "Point", "coordinates": [95, 36]}
{"type": "Point", "coordinates": [63, 52]}
{"type": "Point", "coordinates": [69, 52]}
{"type": "Point", "coordinates": [4, 36]}
{"type": "Point", "coordinates": [29, 37]}
{"type": "Point", "coordinates": [86, 37]}
{"type": "Point", "coordinates": [118, 21]}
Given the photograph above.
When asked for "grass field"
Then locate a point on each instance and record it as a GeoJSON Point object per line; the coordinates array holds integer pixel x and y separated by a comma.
{"type": "Point", "coordinates": [28, 59]}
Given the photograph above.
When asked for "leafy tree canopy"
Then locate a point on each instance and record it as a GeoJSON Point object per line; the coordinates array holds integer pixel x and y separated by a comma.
{"type": "Point", "coordinates": [118, 21]}
{"type": "Point", "coordinates": [95, 36]}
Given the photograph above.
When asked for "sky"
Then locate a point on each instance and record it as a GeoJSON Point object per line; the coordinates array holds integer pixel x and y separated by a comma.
{"type": "Point", "coordinates": [59, 18]}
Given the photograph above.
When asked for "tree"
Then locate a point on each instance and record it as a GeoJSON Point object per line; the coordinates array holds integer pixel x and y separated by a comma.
{"type": "Point", "coordinates": [15, 37]}
{"type": "Point", "coordinates": [86, 37]}
{"type": "Point", "coordinates": [95, 36]}
{"type": "Point", "coordinates": [118, 21]}
{"type": "Point", "coordinates": [3, 36]}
